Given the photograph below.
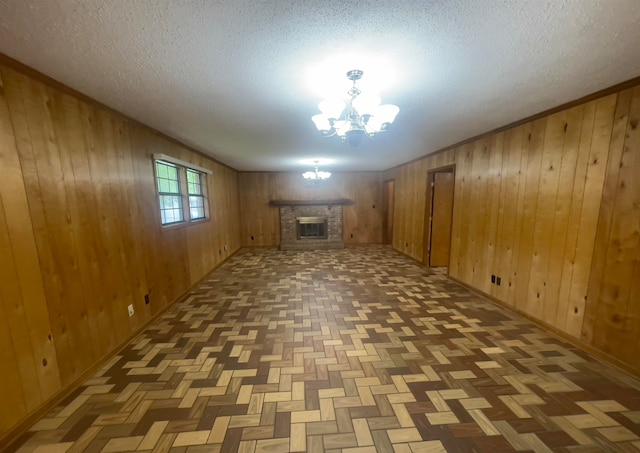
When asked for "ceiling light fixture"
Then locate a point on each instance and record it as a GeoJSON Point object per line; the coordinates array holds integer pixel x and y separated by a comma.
{"type": "Point", "coordinates": [316, 175]}
{"type": "Point", "coordinates": [361, 116]}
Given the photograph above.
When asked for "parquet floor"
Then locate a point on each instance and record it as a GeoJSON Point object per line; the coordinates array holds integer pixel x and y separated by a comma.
{"type": "Point", "coordinates": [354, 350]}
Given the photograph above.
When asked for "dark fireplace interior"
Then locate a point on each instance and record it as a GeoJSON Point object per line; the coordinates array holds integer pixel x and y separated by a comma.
{"type": "Point", "coordinates": [311, 227]}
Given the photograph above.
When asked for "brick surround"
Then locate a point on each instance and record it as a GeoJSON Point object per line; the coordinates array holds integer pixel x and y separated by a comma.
{"type": "Point", "coordinates": [288, 234]}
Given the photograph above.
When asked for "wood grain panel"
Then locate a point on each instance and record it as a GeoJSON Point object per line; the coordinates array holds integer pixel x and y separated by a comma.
{"type": "Point", "coordinates": [260, 224]}
{"type": "Point", "coordinates": [478, 235]}
{"type": "Point", "coordinates": [81, 239]}
{"type": "Point", "coordinates": [615, 327]}
{"type": "Point", "coordinates": [493, 220]}
{"type": "Point", "coordinates": [565, 196]}
{"type": "Point", "coordinates": [606, 212]}
{"type": "Point", "coordinates": [511, 190]}
{"type": "Point", "coordinates": [30, 374]}
{"type": "Point", "coordinates": [546, 191]}
{"type": "Point", "coordinates": [522, 149]}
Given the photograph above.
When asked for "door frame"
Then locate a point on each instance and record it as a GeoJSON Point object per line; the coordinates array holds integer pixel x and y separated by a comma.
{"type": "Point", "coordinates": [428, 219]}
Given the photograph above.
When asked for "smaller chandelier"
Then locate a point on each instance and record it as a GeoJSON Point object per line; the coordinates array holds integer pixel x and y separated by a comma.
{"type": "Point", "coordinates": [361, 117]}
{"type": "Point", "coordinates": [316, 175]}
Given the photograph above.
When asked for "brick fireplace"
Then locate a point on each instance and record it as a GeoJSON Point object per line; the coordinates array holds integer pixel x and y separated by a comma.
{"type": "Point", "coordinates": [306, 224]}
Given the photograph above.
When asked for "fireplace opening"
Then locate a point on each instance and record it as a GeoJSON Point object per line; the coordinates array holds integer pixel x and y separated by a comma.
{"type": "Point", "coordinates": [311, 227]}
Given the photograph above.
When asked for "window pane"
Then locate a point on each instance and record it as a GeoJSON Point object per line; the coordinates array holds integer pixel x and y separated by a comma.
{"type": "Point", "coordinates": [171, 209]}
{"type": "Point", "coordinates": [167, 176]}
{"type": "Point", "coordinates": [161, 170]}
{"type": "Point", "coordinates": [194, 185]}
{"type": "Point", "coordinates": [196, 207]}
{"type": "Point", "coordinates": [197, 213]}
{"type": "Point", "coordinates": [163, 185]}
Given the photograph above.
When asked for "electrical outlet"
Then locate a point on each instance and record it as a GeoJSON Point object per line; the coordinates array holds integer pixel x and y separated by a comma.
{"type": "Point", "coordinates": [131, 311]}
{"type": "Point", "coordinates": [146, 299]}
{"type": "Point", "coordinates": [493, 278]}
{"type": "Point", "coordinates": [498, 281]}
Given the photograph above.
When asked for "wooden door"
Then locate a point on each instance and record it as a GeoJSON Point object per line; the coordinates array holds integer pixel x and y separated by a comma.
{"type": "Point", "coordinates": [441, 217]}
{"type": "Point", "coordinates": [389, 197]}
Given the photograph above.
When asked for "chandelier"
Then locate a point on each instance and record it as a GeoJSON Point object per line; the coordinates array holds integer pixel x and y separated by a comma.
{"type": "Point", "coordinates": [362, 116]}
{"type": "Point", "coordinates": [316, 175]}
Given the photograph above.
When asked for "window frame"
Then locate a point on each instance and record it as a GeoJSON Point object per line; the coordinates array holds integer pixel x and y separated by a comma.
{"type": "Point", "coordinates": [184, 190]}
{"type": "Point", "coordinates": [202, 185]}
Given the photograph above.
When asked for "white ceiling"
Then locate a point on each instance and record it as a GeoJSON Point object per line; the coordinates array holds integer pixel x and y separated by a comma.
{"type": "Point", "coordinates": [240, 79]}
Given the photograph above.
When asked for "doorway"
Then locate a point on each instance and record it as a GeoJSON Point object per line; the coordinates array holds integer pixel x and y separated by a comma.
{"type": "Point", "coordinates": [440, 186]}
{"type": "Point", "coordinates": [389, 199]}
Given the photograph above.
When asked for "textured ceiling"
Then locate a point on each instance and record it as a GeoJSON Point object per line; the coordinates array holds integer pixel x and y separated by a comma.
{"type": "Point", "coordinates": [240, 80]}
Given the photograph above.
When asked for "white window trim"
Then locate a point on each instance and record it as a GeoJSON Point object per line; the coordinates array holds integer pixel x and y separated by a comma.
{"type": "Point", "coordinates": [182, 163]}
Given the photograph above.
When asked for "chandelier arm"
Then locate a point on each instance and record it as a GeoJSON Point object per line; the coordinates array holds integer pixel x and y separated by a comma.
{"type": "Point", "coordinates": [330, 133]}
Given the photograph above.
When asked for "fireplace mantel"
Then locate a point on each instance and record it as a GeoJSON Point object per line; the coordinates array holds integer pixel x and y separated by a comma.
{"type": "Point", "coordinates": [334, 202]}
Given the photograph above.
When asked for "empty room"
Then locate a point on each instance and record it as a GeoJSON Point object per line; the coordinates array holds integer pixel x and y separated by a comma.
{"type": "Point", "coordinates": [272, 226]}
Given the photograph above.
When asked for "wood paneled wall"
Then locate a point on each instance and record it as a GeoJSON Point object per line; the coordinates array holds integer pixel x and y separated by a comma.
{"type": "Point", "coordinates": [80, 238]}
{"type": "Point", "coordinates": [612, 316]}
{"type": "Point", "coordinates": [261, 223]}
{"type": "Point", "coordinates": [553, 208]}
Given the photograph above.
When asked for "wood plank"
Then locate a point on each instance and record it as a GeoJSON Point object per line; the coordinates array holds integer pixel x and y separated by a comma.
{"type": "Point", "coordinates": [72, 149]}
{"type": "Point", "coordinates": [613, 328]}
{"type": "Point", "coordinates": [59, 227]}
{"type": "Point", "coordinates": [131, 225]}
{"type": "Point", "coordinates": [573, 216]}
{"type": "Point", "coordinates": [42, 252]}
{"type": "Point", "coordinates": [14, 406]}
{"type": "Point", "coordinates": [630, 211]}
{"type": "Point", "coordinates": [547, 192]}
{"type": "Point", "coordinates": [509, 192]}
{"type": "Point", "coordinates": [27, 315]}
{"type": "Point", "coordinates": [565, 197]}
{"type": "Point", "coordinates": [103, 268]}
{"type": "Point", "coordinates": [461, 222]}
{"type": "Point", "coordinates": [522, 149]}
{"type": "Point", "coordinates": [475, 271]}
{"type": "Point", "coordinates": [606, 209]}
{"type": "Point", "coordinates": [533, 145]}
{"type": "Point", "coordinates": [598, 143]}
{"type": "Point", "coordinates": [493, 215]}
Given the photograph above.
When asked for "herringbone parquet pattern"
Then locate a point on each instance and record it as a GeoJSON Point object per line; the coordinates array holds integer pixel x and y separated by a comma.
{"type": "Point", "coordinates": [354, 350]}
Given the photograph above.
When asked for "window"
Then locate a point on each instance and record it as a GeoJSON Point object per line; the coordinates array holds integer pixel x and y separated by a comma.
{"type": "Point", "coordinates": [181, 191]}
{"type": "Point", "coordinates": [169, 193]}
{"type": "Point", "coordinates": [196, 197]}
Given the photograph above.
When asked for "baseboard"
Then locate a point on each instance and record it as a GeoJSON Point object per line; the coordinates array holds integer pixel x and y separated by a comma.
{"type": "Point", "coordinates": [561, 335]}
